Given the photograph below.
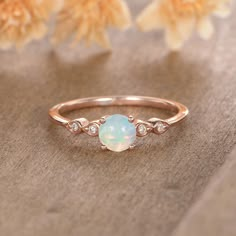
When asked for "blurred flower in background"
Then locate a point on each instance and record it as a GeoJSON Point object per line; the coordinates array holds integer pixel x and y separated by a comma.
{"type": "Point", "coordinates": [88, 20]}
{"type": "Point", "coordinates": [24, 20]}
{"type": "Point", "coordinates": [180, 17]}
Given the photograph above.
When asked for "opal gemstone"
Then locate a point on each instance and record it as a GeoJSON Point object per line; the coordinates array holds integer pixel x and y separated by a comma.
{"type": "Point", "coordinates": [117, 133]}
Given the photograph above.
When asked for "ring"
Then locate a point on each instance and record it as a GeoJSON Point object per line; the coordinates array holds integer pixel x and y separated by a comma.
{"type": "Point", "coordinates": [118, 132]}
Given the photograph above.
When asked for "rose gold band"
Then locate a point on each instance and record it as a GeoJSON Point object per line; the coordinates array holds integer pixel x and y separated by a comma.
{"type": "Point", "coordinates": [56, 111]}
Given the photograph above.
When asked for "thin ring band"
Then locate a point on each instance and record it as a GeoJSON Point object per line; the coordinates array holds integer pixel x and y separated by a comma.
{"type": "Point", "coordinates": [108, 127]}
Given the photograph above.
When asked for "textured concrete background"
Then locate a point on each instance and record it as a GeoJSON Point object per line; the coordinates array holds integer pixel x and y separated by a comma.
{"type": "Point", "coordinates": [52, 183]}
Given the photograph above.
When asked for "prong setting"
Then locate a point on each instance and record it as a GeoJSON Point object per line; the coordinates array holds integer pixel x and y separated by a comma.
{"type": "Point", "coordinates": [131, 147]}
{"type": "Point", "coordinates": [131, 119]}
{"type": "Point", "coordinates": [102, 120]}
{"type": "Point", "coordinates": [103, 147]}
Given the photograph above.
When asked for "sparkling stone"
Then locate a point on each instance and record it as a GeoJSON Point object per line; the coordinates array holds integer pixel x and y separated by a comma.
{"type": "Point", "coordinates": [161, 127]}
{"type": "Point", "coordinates": [142, 129]}
{"type": "Point", "coordinates": [74, 127]}
{"type": "Point", "coordinates": [117, 133]}
{"type": "Point", "coordinates": [93, 129]}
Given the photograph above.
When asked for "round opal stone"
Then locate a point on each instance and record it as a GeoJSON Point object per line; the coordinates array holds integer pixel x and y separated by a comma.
{"type": "Point", "coordinates": [117, 133]}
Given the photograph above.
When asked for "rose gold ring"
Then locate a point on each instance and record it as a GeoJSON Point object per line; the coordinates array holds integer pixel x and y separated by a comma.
{"type": "Point", "coordinates": [118, 132]}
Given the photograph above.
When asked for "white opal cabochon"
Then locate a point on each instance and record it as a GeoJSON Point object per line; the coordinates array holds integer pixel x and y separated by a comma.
{"type": "Point", "coordinates": [117, 133]}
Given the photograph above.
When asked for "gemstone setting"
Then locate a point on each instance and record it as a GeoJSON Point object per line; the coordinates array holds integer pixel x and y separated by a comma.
{"type": "Point", "coordinates": [92, 129]}
{"type": "Point", "coordinates": [117, 133]}
{"type": "Point", "coordinates": [74, 127]}
{"type": "Point", "coordinates": [161, 127]}
{"type": "Point", "coordinates": [142, 130]}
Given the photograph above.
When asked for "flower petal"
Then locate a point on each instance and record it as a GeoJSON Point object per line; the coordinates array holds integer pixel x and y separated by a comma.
{"type": "Point", "coordinates": [205, 28]}
{"type": "Point", "coordinates": [22, 21]}
{"type": "Point", "coordinates": [185, 27]}
{"type": "Point", "coordinates": [123, 21]}
{"type": "Point", "coordinates": [222, 10]}
{"type": "Point", "coordinates": [88, 20]}
{"type": "Point", "coordinates": [173, 40]}
{"type": "Point", "coordinates": [150, 17]}
{"type": "Point", "coordinates": [179, 18]}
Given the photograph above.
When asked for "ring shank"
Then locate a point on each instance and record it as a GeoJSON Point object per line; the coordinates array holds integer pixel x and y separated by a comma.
{"type": "Point", "coordinates": [180, 110]}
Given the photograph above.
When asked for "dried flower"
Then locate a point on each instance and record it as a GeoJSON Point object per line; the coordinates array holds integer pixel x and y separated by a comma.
{"type": "Point", "coordinates": [180, 17]}
{"type": "Point", "coordinates": [24, 20]}
{"type": "Point", "coordinates": [88, 19]}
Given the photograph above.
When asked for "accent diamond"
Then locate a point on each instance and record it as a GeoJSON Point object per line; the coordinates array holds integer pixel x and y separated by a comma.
{"type": "Point", "coordinates": [93, 129]}
{"type": "Point", "coordinates": [74, 127]}
{"type": "Point", "coordinates": [142, 130]}
{"type": "Point", "coordinates": [161, 127]}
